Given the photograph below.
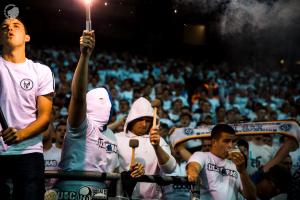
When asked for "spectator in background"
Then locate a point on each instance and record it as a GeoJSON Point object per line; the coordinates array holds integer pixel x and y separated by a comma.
{"type": "Point", "coordinates": [287, 163]}
{"type": "Point", "coordinates": [123, 109]}
{"type": "Point", "coordinates": [205, 144]}
{"type": "Point", "coordinates": [205, 109]}
{"type": "Point", "coordinates": [259, 153]}
{"type": "Point", "coordinates": [52, 151]}
{"type": "Point", "coordinates": [126, 91]}
{"type": "Point", "coordinates": [261, 114]}
{"type": "Point", "coordinates": [272, 183]}
{"type": "Point", "coordinates": [175, 111]}
{"type": "Point", "coordinates": [185, 120]}
{"type": "Point", "coordinates": [220, 115]}
{"type": "Point", "coordinates": [295, 155]}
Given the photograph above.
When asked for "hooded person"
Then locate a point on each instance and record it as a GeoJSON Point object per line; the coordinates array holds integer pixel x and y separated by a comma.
{"type": "Point", "coordinates": [153, 152]}
{"type": "Point", "coordinates": [88, 144]}
{"type": "Point", "coordinates": [91, 146]}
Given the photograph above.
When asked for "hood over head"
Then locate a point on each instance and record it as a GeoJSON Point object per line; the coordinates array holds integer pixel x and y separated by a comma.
{"type": "Point", "coordinates": [99, 107]}
{"type": "Point", "coordinates": [140, 108]}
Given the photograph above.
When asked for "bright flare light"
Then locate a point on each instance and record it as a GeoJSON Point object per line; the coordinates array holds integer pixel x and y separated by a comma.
{"type": "Point", "coordinates": [88, 21]}
{"type": "Point", "coordinates": [88, 1]}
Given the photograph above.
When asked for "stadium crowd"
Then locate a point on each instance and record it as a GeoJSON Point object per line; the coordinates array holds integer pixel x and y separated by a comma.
{"type": "Point", "coordinates": [191, 95]}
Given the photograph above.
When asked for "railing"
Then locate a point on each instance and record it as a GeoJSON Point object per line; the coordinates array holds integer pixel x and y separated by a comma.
{"type": "Point", "coordinates": [123, 179]}
{"type": "Point", "coordinates": [96, 176]}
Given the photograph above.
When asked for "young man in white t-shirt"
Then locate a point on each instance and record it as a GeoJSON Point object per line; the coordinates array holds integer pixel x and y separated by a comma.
{"type": "Point", "coordinates": [222, 178]}
{"type": "Point", "coordinates": [26, 90]}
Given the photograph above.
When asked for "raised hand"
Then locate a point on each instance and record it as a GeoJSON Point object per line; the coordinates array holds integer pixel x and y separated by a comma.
{"type": "Point", "coordinates": [87, 42]}
{"type": "Point", "coordinates": [154, 137]}
{"type": "Point", "coordinates": [239, 160]}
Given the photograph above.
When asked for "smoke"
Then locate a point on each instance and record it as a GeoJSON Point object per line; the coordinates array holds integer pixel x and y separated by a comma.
{"type": "Point", "coordinates": [256, 14]}
{"type": "Point", "coordinates": [259, 15]}
{"type": "Point", "coordinates": [256, 29]}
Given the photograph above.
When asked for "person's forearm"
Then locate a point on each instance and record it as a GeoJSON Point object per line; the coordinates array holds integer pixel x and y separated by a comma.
{"type": "Point", "coordinates": [167, 163]}
{"type": "Point", "coordinates": [37, 127]}
{"type": "Point", "coordinates": [249, 190]}
{"type": "Point", "coordinates": [115, 125]}
{"type": "Point", "coordinates": [184, 153]}
{"type": "Point", "coordinates": [80, 79]}
{"type": "Point", "coordinates": [161, 155]}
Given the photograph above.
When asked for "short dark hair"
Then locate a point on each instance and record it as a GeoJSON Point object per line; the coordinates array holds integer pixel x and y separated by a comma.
{"type": "Point", "coordinates": [244, 143]}
{"type": "Point", "coordinates": [19, 19]}
{"type": "Point", "coordinates": [221, 128]}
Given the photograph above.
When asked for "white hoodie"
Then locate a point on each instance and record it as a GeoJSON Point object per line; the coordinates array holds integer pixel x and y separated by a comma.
{"type": "Point", "coordinates": [144, 153]}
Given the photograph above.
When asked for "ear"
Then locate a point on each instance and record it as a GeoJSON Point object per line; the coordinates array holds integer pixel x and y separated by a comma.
{"type": "Point", "coordinates": [213, 142]}
{"type": "Point", "coordinates": [27, 38]}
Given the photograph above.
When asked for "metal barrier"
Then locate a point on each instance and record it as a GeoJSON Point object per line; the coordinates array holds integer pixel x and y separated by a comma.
{"type": "Point", "coordinates": [124, 176]}
{"type": "Point", "coordinates": [96, 176]}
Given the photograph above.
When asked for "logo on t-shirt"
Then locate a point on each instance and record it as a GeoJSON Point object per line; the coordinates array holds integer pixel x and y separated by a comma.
{"type": "Point", "coordinates": [51, 163]}
{"type": "Point", "coordinates": [109, 147]}
{"type": "Point", "coordinates": [26, 84]}
{"type": "Point", "coordinates": [221, 170]}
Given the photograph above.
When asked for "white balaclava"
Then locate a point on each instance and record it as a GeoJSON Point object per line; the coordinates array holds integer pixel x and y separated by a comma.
{"type": "Point", "coordinates": [99, 107]}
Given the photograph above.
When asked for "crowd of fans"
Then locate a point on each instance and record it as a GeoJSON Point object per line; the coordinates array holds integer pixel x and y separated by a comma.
{"type": "Point", "coordinates": [209, 93]}
{"type": "Point", "coordinates": [191, 95]}
{"type": "Point", "coordinates": [120, 132]}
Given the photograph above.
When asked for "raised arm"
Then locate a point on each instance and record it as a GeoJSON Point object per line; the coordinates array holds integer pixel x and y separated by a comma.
{"type": "Point", "coordinates": [77, 107]}
{"type": "Point", "coordinates": [290, 144]}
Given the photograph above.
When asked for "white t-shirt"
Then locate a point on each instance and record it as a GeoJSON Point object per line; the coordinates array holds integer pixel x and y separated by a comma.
{"type": "Point", "coordinates": [20, 85]}
{"type": "Point", "coordinates": [52, 158]}
{"type": "Point", "coordinates": [219, 176]}
{"type": "Point", "coordinates": [144, 154]}
{"type": "Point", "coordinates": [258, 156]}
{"type": "Point", "coordinates": [87, 149]}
